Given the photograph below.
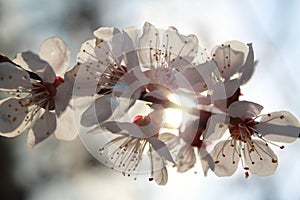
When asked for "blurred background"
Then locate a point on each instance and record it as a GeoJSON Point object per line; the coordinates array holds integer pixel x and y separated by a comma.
{"type": "Point", "coordinates": [65, 170]}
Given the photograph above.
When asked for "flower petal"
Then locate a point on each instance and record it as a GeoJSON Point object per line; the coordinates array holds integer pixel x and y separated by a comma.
{"type": "Point", "coordinates": [244, 109]}
{"type": "Point", "coordinates": [66, 126]}
{"type": "Point", "coordinates": [35, 64]}
{"type": "Point", "coordinates": [199, 77]}
{"type": "Point", "coordinates": [13, 120]}
{"type": "Point", "coordinates": [185, 159]}
{"type": "Point", "coordinates": [279, 127]}
{"type": "Point", "coordinates": [225, 159]}
{"type": "Point", "coordinates": [99, 111]}
{"type": "Point", "coordinates": [148, 44]}
{"type": "Point", "coordinates": [56, 53]}
{"type": "Point", "coordinates": [216, 127]}
{"type": "Point", "coordinates": [181, 50]}
{"type": "Point", "coordinates": [13, 77]}
{"type": "Point", "coordinates": [64, 93]}
{"type": "Point", "coordinates": [230, 57]}
{"type": "Point", "coordinates": [123, 128]}
{"type": "Point", "coordinates": [131, 38]}
{"type": "Point", "coordinates": [262, 161]}
{"type": "Point", "coordinates": [158, 169]}
{"type": "Point", "coordinates": [161, 148]}
{"type": "Point", "coordinates": [248, 68]}
{"type": "Point", "coordinates": [42, 128]}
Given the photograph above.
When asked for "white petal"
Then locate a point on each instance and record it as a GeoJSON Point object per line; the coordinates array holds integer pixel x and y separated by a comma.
{"type": "Point", "coordinates": [158, 169]}
{"type": "Point", "coordinates": [99, 111]}
{"type": "Point", "coordinates": [123, 128]}
{"type": "Point", "coordinates": [225, 159]}
{"type": "Point", "coordinates": [131, 38]}
{"type": "Point", "coordinates": [185, 159]}
{"type": "Point", "coordinates": [12, 118]}
{"type": "Point", "coordinates": [224, 90]}
{"type": "Point", "coordinates": [13, 77]}
{"type": "Point", "coordinates": [66, 128]}
{"type": "Point", "coordinates": [35, 64]}
{"type": "Point", "coordinates": [248, 68]}
{"type": "Point", "coordinates": [244, 109]}
{"type": "Point", "coordinates": [86, 79]}
{"type": "Point", "coordinates": [262, 161]}
{"type": "Point", "coordinates": [171, 140]}
{"type": "Point", "coordinates": [161, 148]}
{"type": "Point", "coordinates": [109, 44]}
{"type": "Point", "coordinates": [216, 127]}
{"type": "Point", "coordinates": [56, 53]}
{"type": "Point", "coordinates": [64, 93]}
{"type": "Point", "coordinates": [42, 128]}
{"type": "Point", "coordinates": [199, 78]}
{"type": "Point", "coordinates": [156, 123]}
{"type": "Point", "coordinates": [181, 50]}
{"type": "Point", "coordinates": [87, 52]}
{"type": "Point", "coordinates": [230, 57]}
{"type": "Point", "coordinates": [148, 44]}
{"type": "Point", "coordinates": [279, 127]}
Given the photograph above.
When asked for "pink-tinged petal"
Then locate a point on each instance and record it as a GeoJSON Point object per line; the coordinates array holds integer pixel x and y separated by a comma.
{"type": "Point", "coordinates": [35, 64]}
{"type": "Point", "coordinates": [55, 51]}
{"type": "Point", "coordinates": [99, 111]}
{"type": "Point", "coordinates": [216, 127]}
{"type": "Point", "coordinates": [279, 127]}
{"type": "Point", "coordinates": [161, 148]}
{"type": "Point", "coordinates": [148, 44]}
{"type": "Point", "coordinates": [13, 77]}
{"type": "Point", "coordinates": [262, 161]}
{"type": "Point", "coordinates": [244, 109]}
{"type": "Point", "coordinates": [156, 122]}
{"type": "Point", "coordinates": [225, 159]}
{"type": "Point", "coordinates": [123, 128]}
{"type": "Point", "coordinates": [185, 159]}
{"type": "Point", "coordinates": [248, 68]}
{"type": "Point", "coordinates": [181, 50]}
{"type": "Point", "coordinates": [66, 126]}
{"type": "Point", "coordinates": [13, 120]}
{"type": "Point", "coordinates": [42, 129]}
{"type": "Point", "coordinates": [230, 57]}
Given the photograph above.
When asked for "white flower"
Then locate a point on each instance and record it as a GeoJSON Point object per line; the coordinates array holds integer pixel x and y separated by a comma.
{"type": "Point", "coordinates": [126, 152]}
{"type": "Point", "coordinates": [125, 65]}
{"type": "Point", "coordinates": [235, 63]}
{"type": "Point", "coordinates": [40, 97]}
{"type": "Point", "coordinates": [249, 139]}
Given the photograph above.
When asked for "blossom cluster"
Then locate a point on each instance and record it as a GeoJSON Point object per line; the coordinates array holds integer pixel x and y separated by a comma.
{"type": "Point", "coordinates": [155, 98]}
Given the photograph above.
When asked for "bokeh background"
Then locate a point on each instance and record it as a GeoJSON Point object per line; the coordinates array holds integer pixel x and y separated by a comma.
{"type": "Point", "coordinates": [65, 170]}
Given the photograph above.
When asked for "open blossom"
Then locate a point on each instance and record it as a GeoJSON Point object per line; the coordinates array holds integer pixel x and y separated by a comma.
{"type": "Point", "coordinates": [37, 97]}
{"type": "Point", "coordinates": [128, 64]}
{"type": "Point", "coordinates": [249, 139]}
{"type": "Point", "coordinates": [235, 63]}
{"type": "Point", "coordinates": [126, 151]}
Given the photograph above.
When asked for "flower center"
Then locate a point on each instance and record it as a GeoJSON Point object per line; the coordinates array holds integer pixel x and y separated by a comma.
{"type": "Point", "coordinates": [43, 93]}
{"type": "Point", "coordinates": [242, 129]}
